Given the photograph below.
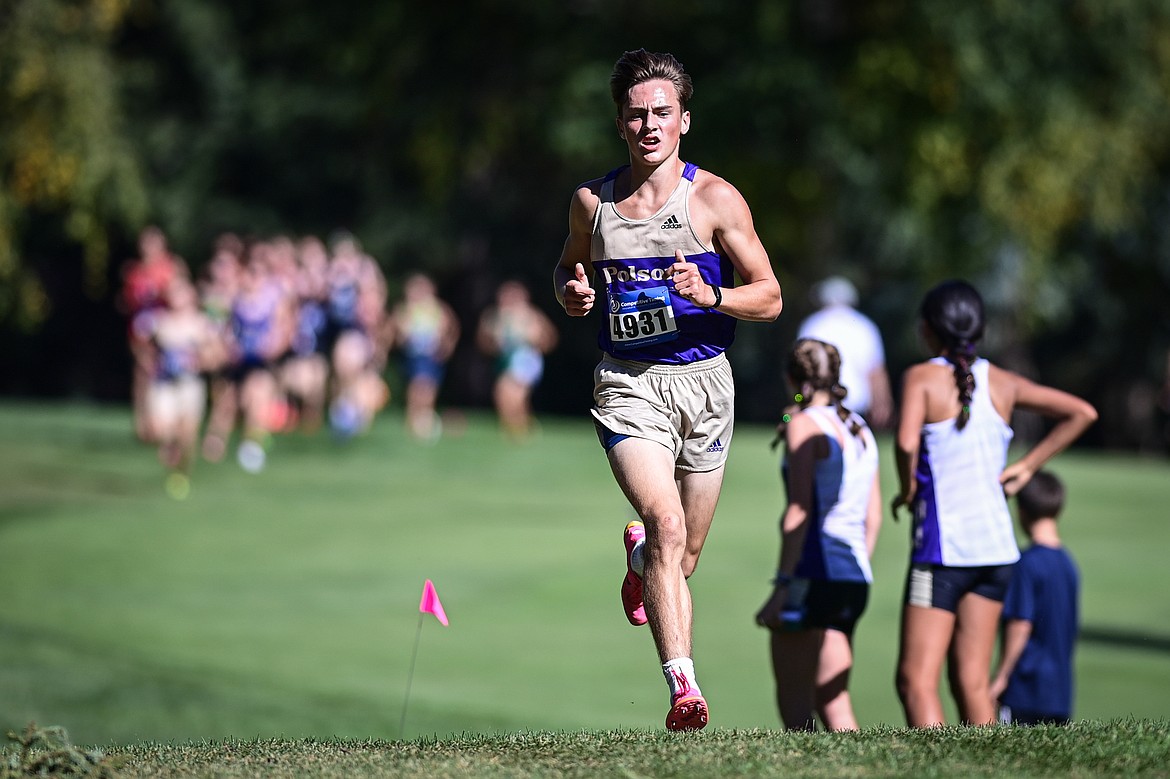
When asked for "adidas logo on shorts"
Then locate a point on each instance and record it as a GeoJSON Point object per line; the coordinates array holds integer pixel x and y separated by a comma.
{"type": "Point", "coordinates": [716, 447]}
{"type": "Point", "coordinates": [672, 223]}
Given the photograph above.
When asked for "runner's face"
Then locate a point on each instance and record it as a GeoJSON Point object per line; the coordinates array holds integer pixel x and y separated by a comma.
{"type": "Point", "coordinates": [652, 121]}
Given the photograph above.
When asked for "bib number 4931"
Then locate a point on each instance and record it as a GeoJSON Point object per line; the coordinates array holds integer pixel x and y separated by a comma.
{"type": "Point", "coordinates": [642, 324]}
{"type": "Point", "coordinates": [641, 317]}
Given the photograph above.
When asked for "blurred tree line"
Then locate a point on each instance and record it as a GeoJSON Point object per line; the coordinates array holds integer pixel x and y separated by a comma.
{"type": "Point", "coordinates": [1023, 146]}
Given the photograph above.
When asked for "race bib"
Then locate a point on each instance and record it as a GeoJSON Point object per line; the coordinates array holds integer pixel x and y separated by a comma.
{"type": "Point", "coordinates": [641, 317]}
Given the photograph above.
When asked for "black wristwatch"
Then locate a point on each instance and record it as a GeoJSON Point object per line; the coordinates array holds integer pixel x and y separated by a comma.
{"type": "Point", "coordinates": [718, 297]}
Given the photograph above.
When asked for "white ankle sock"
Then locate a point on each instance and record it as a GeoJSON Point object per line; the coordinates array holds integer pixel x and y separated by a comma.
{"type": "Point", "coordinates": [680, 675]}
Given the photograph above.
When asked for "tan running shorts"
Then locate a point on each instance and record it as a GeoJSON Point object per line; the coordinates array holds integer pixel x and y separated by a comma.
{"type": "Point", "coordinates": [170, 402]}
{"type": "Point", "coordinates": [689, 409]}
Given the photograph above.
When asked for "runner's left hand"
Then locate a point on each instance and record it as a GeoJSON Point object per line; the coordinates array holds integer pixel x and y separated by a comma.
{"type": "Point", "coordinates": [689, 283]}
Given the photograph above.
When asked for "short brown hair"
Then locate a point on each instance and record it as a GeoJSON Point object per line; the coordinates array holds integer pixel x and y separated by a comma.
{"type": "Point", "coordinates": [1041, 497]}
{"type": "Point", "coordinates": [636, 67]}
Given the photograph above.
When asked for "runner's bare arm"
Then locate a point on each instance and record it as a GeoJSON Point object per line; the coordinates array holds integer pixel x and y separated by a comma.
{"type": "Point", "coordinates": [722, 212]}
{"type": "Point", "coordinates": [574, 271]}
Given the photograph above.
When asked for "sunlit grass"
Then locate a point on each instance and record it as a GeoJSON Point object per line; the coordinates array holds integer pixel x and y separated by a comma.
{"type": "Point", "coordinates": [285, 604]}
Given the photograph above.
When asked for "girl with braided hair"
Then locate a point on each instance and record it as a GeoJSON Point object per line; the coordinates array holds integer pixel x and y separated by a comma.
{"type": "Point", "coordinates": [828, 531]}
{"type": "Point", "coordinates": [951, 453]}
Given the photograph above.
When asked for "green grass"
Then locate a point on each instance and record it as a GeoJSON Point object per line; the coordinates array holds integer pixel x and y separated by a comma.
{"type": "Point", "coordinates": [284, 605]}
{"type": "Point", "coordinates": [1086, 749]}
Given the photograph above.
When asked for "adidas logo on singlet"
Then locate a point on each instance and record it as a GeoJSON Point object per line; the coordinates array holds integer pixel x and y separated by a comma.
{"type": "Point", "coordinates": [672, 223]}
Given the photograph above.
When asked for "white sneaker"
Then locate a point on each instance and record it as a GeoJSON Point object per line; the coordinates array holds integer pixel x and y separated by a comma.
{"type": "Point", "coordinates": [251, 456]}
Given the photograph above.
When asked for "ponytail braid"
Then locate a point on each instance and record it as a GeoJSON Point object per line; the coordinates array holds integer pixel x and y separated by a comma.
{"type": "Point", "coordinates": [953, 310]}
{"type": "Point", "coordinates": [961, 357]}
{"type": "Point", "coordinates": [807, 388]}
{"type": "Point", "coordinates": [838, 392]}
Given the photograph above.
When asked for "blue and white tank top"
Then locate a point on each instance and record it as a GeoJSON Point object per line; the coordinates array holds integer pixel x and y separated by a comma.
{"type": "Point", "coordinates": [178, 355]}
{"type": "Point", "coordinates": [344, 300]}
{"type": "Point", "coordinates": [253, 323]}
{"type": "Point", "coordinates": [645, 320]}
{"type": "Point", "coordinates": [961, 516]}
{"type": "Point", "coordinates": [312, 321]}
{"type": "Point", "coordinates": [834, 545]}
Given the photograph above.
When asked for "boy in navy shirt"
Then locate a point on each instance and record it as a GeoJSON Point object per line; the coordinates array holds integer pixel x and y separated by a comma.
{"type": "Point", "coordinates": [1034, 681]}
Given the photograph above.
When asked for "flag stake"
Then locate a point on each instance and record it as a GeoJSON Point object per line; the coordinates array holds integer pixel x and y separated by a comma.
{"type": "Point", "coordinates": [410, 677]}
{"type": "Point", "coordinates": [429, 604]}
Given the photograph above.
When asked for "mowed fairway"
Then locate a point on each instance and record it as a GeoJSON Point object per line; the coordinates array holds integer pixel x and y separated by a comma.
{"type": "Point", "coordinates": [285, 604]}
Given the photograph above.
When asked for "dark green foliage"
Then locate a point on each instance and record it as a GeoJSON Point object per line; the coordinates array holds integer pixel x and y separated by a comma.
{"type": "Point", "coordinates": [1025, 146]}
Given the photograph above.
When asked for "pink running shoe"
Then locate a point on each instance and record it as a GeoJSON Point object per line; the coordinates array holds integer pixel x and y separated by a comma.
{"type": "Point", "coordinates": [632, 584]}
{"type": "Point", "coordinates": [688, 712]}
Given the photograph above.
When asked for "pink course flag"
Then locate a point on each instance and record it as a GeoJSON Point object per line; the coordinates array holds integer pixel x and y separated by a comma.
{"type": "Point", "coordinates": [430, 603]}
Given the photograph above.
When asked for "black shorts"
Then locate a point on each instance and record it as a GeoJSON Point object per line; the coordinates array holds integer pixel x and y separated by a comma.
{"type": "Point", "coordinates": [239, 372]}
{"type": "Point", "coordinates": [820, 604]}
{"type": "Point", "coordinates": [943, 586]}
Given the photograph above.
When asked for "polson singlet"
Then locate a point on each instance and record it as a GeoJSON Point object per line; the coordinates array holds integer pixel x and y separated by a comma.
{"type": "Point", "coordinates": [645, 320]}
{"type": "Point", "coordinates": [961, 516]}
